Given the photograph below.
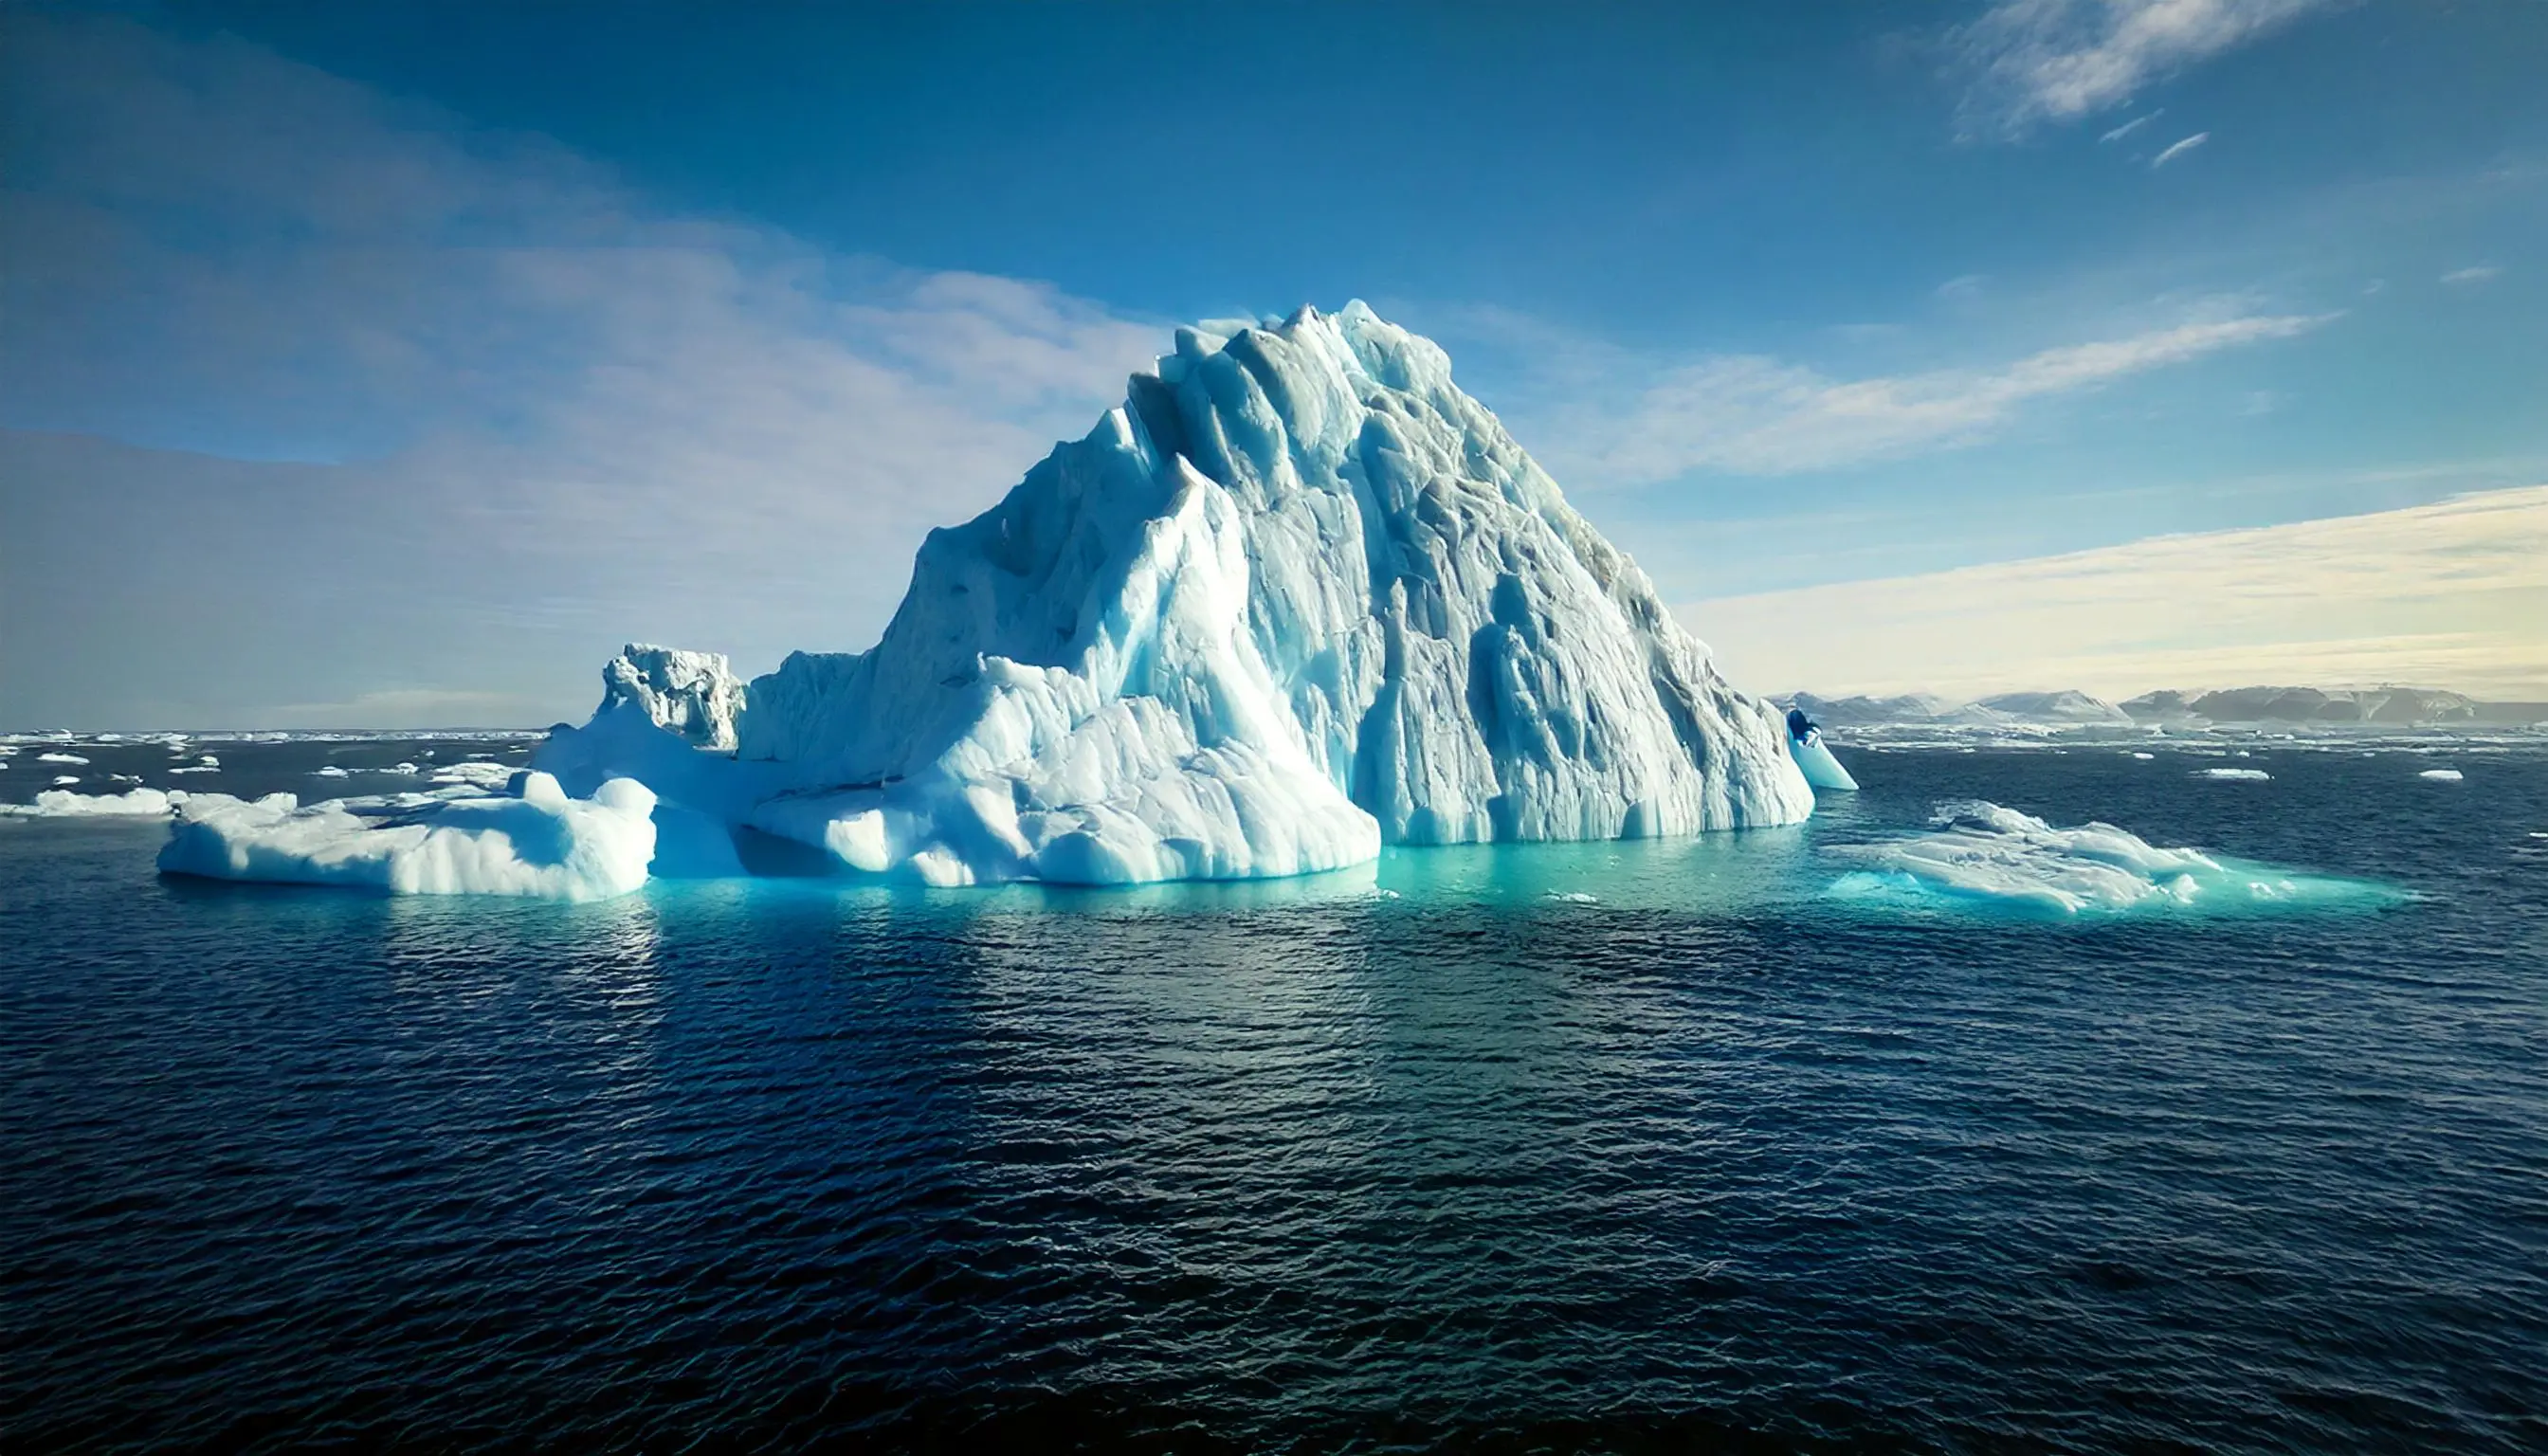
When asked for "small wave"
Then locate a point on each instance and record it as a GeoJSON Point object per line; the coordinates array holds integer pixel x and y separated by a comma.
{"type": "Point", "coordinates": [1981, 854]}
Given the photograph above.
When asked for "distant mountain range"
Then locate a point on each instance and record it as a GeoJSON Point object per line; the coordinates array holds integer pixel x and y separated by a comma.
{"type": "Point", "coordinates": [2395, 706]}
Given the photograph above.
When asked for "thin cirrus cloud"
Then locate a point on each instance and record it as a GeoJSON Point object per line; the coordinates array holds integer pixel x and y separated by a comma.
{"type": "Point", "coordinates": [2031, 62]}
{"type": "Point", "coordinates": [2129, 127]}
{"type": "Point", "coordinates": [1750, 415]}
{"type": "Point", "coordinates": [2470, 277]}
{"type": "Point", "coordinates": [2178, 150]}
{"type": "Point", "coordinates": [2444, 594]}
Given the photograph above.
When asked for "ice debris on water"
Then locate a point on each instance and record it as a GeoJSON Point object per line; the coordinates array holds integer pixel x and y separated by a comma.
{"type": "Point", "coordinates": [2246, 775]}
{"type": "Point", "coordinates": [1979, 854]}
{"type": "Point", "coordinates": [2442, 775]}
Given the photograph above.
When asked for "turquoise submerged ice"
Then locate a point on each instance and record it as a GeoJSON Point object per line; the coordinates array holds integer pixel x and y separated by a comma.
{"type": "Point", "coordinates": [1980, 856]}
{"type": "Point", "coordinates": [1297, 597]}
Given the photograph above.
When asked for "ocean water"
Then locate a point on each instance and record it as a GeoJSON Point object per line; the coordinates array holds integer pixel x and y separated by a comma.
{"type": "Point", "coordinates": [1615, 1147]}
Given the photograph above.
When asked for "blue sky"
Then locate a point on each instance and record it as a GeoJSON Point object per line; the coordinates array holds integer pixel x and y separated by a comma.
{"type": "Point", "coordinates": [392, 365]}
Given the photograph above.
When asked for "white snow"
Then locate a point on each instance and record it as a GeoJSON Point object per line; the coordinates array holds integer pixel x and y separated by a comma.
{"type": "Point", "coordinates": [55, 803]}
{"type": "Point", "coordinates": [2442, 775]}
{"type": "Point", "coordinates": [59, 759]}
{"type": "Point", "coordinates": [2243, 775]}
{"type": "Point", "coordinates": [543, 844]}
{"type": "Point", "coordinates": [1980, 853]}
{"type": "Point", "coordinates": [1298, 597]}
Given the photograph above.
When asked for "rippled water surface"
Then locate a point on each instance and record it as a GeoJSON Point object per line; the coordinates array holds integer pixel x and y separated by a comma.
{"type": "Point", "coordinates": [1441, 1153]}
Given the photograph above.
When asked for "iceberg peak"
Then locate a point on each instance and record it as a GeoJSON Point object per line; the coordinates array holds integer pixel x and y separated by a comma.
{"type": "Point", "coordinates": [1297, 596]}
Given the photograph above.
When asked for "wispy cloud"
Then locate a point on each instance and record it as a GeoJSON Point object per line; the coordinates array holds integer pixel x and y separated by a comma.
{"type": "Point", "coordinates": [2469, 277]}
{"type": "Point", "coordinates": [2178, 150]}
{"type": "Point", "coordinates": [2027, 62]}
{"type": "Point", "coordinates": [1963, 286]}
{"type": "Point", "coordinates": [2135, 124]}
{"type": "Point", "coordinates": [2435, 596]}
{"type": "Point", "coordinates": [1751, 414]}
{"type": "Point", "coordinates": [565, 391]}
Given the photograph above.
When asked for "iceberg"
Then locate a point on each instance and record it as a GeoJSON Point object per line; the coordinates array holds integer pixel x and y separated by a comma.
{"type": "Point", "coordinates": [541, 845]}
{"type": "Point", "coordinates": [1298, 597]}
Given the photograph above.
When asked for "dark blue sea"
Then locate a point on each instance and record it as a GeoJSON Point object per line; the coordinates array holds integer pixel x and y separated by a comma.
{"type": "Point", "coordinates": [1632, 1146]}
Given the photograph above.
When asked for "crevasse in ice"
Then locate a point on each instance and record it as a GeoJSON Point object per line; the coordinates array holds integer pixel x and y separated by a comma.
{"type": "Point", "coordinates": [1297, 596]}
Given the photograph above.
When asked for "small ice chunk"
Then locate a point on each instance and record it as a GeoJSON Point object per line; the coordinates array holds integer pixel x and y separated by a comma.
{"type": "Point", "coordinates": [2243, 775]}
{"type": "Point", "coordinates": [2441, 776]}
{"type": "Point", "coordinates": [62, 778]}
{"type": "Point", "coordinates": [59, 759]}
{"type": "Point", "coordinates": [329, 770]}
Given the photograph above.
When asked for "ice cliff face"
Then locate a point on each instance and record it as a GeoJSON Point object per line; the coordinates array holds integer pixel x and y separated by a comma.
{"type": "Point", "coordinates": [1297, 596]}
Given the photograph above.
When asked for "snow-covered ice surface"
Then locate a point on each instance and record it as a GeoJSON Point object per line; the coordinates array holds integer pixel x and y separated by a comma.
{"type": "Point", "coordinates": [2246, 775]}
{"type": "Point", "coordinates": [2442, 775]}
{"type": "Point", "coordinates": [542, 845]}
{"type": "Point", "coordinates": [1298, 597]}
{"type": "Point", "coordinates": [1977, 855]}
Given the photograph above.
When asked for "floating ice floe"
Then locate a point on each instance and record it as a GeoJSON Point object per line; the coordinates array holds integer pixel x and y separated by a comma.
{"type": "Point", "coordinates": [542, 845]}
{"type": "Point", "coordinates": [2442, 775]}
{"type": "Point", "coordinates": [133, 804]}
{"type": "Point", "coordinates": [329, 770]}
{"type": "Point", "coordinates": [1979, 855]}
{"type": "Point", "coordinates": [198, 769]}
{"type": "Point", "coordinates": [476, 774]}
{"type": "Point", "coordinates": [1575, 898]}
{"type": "Point", "coordinates": [59, 759]}
{"type": "Point", "coordinates": [62, 779]}
{"type": "Point", "coordinates": [2246, 775]}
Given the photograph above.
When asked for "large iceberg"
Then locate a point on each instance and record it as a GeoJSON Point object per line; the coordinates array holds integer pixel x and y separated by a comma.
{"type": "Point", "coordinates": [1296, 597]}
